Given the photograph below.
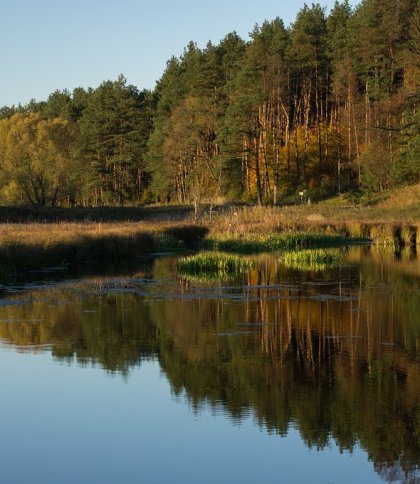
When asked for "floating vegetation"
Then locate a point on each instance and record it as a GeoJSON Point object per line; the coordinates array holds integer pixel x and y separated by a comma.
{"type": "Point", "coordinates": [214, 265]}
{"type": "Point", "coordinates": [207, 277]}
{"type": "Point", "coordinates": [274, 242]}
{"type": "Point", "coordinates": [312, 260]}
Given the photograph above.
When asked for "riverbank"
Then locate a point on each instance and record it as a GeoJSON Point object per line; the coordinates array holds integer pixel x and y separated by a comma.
{"type": "Point", "coordinates": [35, 245]}
{"type": "Point", "coordinates": [38, 241]}
{"type": "Point", "coordinates": [393, 227]}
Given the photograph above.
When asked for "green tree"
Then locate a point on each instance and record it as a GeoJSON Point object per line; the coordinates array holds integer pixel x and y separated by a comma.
{"type": "Point", "coordinates": [256, 122]}
{"type": "Point", "coordinates": [169, 92]}
{"type": "Point", "coordinates": [343, 86]}
{"type": "Point", "coordinates": [57, 105]}
{"type": "Point", "coordinates": [114, 129]}
{"type": "Point", "coordinates": [191, 154]}
{"type": "Point", "coordinates": [308, 60]}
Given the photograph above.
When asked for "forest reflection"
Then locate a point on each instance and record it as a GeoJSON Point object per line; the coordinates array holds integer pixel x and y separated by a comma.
{"type": "Point", "coordinates": [333, 353]}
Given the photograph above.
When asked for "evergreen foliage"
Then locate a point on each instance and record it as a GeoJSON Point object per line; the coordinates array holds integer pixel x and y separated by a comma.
{"type": "Point", "coordinates": [326, 105]}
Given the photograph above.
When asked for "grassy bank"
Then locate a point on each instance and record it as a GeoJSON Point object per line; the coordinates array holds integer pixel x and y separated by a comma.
{"type": "Point", "coordinates": [255, 242]}
{"type": "Point", "coordinates": [37, 246]}
{"type": "Point", "coordinates": [328, 225]}
{"type": "Point", "coordinates": [105, 233]}
{"type": "Point", "coordinates": [31, 246]}
{"type": "Point", "coordinates": [391, 218]}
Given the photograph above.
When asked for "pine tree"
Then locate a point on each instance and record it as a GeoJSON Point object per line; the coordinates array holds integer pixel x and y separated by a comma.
{"type": "Point", "coordinates": [114, 129]}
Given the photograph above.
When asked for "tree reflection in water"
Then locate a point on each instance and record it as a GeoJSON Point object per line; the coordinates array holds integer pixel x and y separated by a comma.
{"type": "Point", "coordinates": [333, 353]}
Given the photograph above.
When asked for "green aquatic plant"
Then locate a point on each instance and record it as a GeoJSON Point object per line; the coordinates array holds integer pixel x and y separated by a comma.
{"type": "Point", "coordinates": [219, 265]}
{"type": "Point", "coordinates": [208, 278]}
{"type": "Point", "coordinates": [311, 260]}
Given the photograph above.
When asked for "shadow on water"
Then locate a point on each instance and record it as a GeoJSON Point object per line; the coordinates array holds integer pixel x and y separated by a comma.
{"type": "Point", "coordinates": [331, 352]}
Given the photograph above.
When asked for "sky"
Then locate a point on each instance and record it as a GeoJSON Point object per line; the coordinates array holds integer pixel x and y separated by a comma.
{"type": "Point", "coordinates": [47, 45]}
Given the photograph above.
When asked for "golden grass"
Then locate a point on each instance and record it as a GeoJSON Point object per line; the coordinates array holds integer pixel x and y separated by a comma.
{"type": "Point", "coordinates": [49, 234]}
{"type": "Point", "coordinates": [241, 222]}
{"type": "Point", "coordinates": [401, 198]}
{"type": "Point", "coordinates": [46, 235]}
{"type": "Point", "coordinates": [247, 219]}
{"type": "Point", "coordinates": [35, 245]}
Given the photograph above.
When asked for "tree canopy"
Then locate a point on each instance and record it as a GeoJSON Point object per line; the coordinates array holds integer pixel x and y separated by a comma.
{"type": "Point", "coordinates": [328, 104]}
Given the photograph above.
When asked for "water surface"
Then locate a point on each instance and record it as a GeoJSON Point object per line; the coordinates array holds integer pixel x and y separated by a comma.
{"type": "Point", "coordinates": [280, 375]}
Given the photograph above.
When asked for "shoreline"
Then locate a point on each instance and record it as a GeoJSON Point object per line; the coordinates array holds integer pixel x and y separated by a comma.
{"type": "Point", "coordinates": [34, 238]}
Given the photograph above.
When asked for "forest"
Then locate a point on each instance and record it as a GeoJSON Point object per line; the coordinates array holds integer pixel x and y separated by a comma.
{"type": "Point", "coordinates": [326, 106]}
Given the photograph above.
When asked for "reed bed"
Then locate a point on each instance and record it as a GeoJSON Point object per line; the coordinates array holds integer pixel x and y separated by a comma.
{"type": "Point", "coordinates": [272, 242]}
{"type": "Point", "coordinates": [314, 218]}
{"type": "Point", "coordinates": [29, 246]}
{"type": "Point", "coordinates": [387, 226]}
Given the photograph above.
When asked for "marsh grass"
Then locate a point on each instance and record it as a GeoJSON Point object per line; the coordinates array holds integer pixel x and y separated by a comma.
{"type": "Point", "coordinates": [326, 224]}
{"type": "Point", "coordinates": [397, 236]}
{"type": "Point", "coordinates": [105, 233]}
{"type": "Point", "coordinates": [30, 246]}
{"type": "Point", "coordinates": [271, 242]}
{"type": "Point", "coordinates": [32, 214]}
{"type": "Point", "coordinates": [212, 265]}
{"type": "Point", "coordinates": [409, 235]}
{"type": "Point", "coordinates": [242, 220]}
{"type": "Point", "coordinates": [312, 260]}
{"type": "Point", "coordinates": [207, 278]}
{"type": "Point", "coordinates": [383, 234]}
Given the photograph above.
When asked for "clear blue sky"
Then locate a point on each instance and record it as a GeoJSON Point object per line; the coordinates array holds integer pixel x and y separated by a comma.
{"type": "Point", "coordinates": [56, 44]}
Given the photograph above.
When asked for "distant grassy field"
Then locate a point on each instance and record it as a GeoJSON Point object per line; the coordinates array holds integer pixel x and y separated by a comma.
{"type": "Point", "coordinates": [32, 214]}
{"type": "Point", "coordinates": [396, 206]}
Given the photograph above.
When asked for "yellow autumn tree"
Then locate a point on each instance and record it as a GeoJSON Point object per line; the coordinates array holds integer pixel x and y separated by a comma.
{"type": "Point", "coordinates": [37, 162]}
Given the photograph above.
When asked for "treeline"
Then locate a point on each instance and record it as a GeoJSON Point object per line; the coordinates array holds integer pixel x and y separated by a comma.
{"type": "Point", "coordinates": [328, 105]}
{"type": "Point", "coordinates": [83, 148]}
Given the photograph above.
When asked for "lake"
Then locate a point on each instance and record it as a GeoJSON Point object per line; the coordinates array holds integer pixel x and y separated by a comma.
{"type": "Point", "coordinates": [283, 374]}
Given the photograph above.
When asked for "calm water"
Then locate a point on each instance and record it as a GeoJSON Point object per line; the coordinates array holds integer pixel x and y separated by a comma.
{"type": "Point", "coordinates": [281, 375]}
